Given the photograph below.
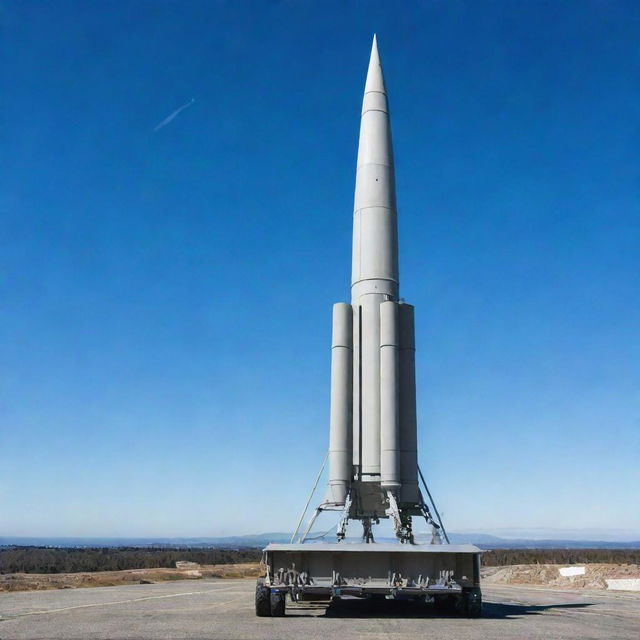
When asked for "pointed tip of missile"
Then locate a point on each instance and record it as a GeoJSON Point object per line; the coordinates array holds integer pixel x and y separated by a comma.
{"type": "Point", "coordinates": [375, 79]}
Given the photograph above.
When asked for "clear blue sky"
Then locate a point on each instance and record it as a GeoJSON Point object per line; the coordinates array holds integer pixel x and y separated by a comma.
{"type": "Point", "coordinates": [166, 296]}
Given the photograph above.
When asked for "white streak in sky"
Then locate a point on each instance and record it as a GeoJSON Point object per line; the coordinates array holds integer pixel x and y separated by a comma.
{"type": "Point", "coordinates": [175, 114]}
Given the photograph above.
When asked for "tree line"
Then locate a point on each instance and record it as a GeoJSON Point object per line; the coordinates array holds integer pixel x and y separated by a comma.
{"type": "Point", "coordinates": [74, 559]}
{"type": "Point", "coordinates": [502, 557]}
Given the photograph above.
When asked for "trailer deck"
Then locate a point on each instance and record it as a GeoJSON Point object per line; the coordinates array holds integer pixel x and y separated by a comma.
{"type": "Point", "coordinates": [444, 574]}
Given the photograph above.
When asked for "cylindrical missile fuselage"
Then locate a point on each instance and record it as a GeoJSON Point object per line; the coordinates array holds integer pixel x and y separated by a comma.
{"type": "Point", "coordinates": [375, 266]}
{"type": "Point", "coordinates": [389, 397]}
{"type": "Point", "coordinates": [340, 426]}
{"type": "Point", "coordinates": [407, 401]}
{"type": "Point", "coordinates": [381, 413]}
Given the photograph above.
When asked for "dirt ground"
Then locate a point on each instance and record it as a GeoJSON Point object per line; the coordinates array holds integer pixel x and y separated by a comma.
{"type": "Point", "coordinates": [549, 575]}
{"type": "Point", "coordinates": [41, 581]}
{"type": "Point", "coordinates": [528, 574]}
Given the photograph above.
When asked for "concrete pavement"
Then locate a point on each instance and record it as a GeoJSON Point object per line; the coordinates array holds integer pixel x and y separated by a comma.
{"type": "Point", "coordinates": [223, 609]}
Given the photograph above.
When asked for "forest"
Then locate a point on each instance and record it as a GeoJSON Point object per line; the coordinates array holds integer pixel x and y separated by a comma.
{"type": "Point", "coordinates": [75, 559]}
{"type": "Point", "coordinates": [501, 557]}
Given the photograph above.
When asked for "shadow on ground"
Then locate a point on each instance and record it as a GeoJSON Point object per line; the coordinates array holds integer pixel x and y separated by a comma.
{"type": "Point", "coordinates": [396, 609]}
{"type": "Point", "coordinates": [498, 610]}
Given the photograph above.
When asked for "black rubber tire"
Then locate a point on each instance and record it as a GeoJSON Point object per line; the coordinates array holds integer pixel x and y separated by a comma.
{"type": "Point", "coordinates": [278, 603]}
{"type": "Point", "coordinates": [472, 599]}
{"type": "Point", "coordinates": [263, 599]}
{"type": "Point", "coordinates": [445, 604]}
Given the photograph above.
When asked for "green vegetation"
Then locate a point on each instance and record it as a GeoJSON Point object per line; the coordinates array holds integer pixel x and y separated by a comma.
{"type": "Point", "coordinates": [502, 557]}
{"type": "Point", "coordinates": [71, 560]}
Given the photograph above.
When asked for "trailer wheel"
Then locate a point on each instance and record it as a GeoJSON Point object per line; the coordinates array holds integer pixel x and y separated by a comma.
{"type": "Point", "coordinates": [472, 599]}
{"type": "Point", "coordinates": [263, 601]}
{"type": "Point", "coordinates": [278, 603]}
{"type": "Point", "coordinates": [445, 604]}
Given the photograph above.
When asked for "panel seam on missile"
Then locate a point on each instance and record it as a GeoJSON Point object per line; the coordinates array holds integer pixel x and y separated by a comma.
{"type": "Point", "coordinates": [367, 279]}
{"type": "Point", "coordinates": [373, 164]}
{"type": "Point", "coordinates": [374, 206]}
{"type": "Point", "coordinates": [380, 110]}
{"type": "Point", "coordinates": [375, 293]}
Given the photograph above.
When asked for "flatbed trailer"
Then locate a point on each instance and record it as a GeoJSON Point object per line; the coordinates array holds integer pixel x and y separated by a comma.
{"type": "Point", "coordinates": [446, 575]}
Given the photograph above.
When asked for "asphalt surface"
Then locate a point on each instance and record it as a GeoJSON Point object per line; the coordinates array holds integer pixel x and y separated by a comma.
{"type": "Point", "coordinates": [223, 609]}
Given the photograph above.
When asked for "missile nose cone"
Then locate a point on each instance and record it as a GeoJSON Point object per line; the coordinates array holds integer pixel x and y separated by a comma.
{"type": "Point", "coordinates": [375, 243]}
{"type": "Point", "coordinates": [375, 79]}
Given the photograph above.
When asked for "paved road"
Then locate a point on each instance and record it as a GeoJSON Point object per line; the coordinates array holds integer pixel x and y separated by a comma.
{"type": "Point", "coordinates": [223, 609]}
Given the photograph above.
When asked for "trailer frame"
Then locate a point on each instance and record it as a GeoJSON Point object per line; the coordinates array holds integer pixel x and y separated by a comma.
{"type": "Point", "coordinates": [446, 575]}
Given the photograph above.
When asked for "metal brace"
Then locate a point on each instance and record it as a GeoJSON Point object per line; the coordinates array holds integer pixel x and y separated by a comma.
{"type": "Point", "coordinates": [401, 522]}
{"type": "Point", "coordinates": [367, 529]}
{"type": "Point", "coordinates": [344, 520]}
{"type": "Point", "coordinates": [436, 534]}
{"type": "Point", "coordinates": [316, 513]}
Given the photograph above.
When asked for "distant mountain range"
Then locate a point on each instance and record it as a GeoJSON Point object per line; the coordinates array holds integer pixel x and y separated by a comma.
{"type": "Point", "coordinates": [482, 540]}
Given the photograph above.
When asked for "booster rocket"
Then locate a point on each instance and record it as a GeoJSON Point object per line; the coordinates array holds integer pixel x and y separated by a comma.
{"type": "Point", "coordinates": [373, 468]}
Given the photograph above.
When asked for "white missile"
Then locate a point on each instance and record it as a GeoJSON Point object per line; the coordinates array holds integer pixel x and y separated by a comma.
{"type": "Point", "coordinates": [373, 461]}
{"type": "Point", "coordinates": [372, 451]}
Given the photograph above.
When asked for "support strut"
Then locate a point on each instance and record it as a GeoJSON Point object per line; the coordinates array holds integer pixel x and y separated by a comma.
{"type": "Point", "coordinates": [401, 520]}
{"type": "Point", "coordinates": [344, 520]}
{"type": "Point", "coordinates": [426, 488]}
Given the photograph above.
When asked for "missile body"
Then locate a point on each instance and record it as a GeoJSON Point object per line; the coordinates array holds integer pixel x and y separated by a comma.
{"type": "Point", "coordinates": [372, 447]}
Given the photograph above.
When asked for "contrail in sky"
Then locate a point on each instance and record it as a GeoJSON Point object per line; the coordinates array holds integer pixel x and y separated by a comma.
{"type": "Point", "coordinates": [175, 114]}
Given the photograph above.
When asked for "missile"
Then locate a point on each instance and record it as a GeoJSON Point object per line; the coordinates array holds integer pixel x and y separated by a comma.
{"type": "Point", "coordinates": [372, 441]}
